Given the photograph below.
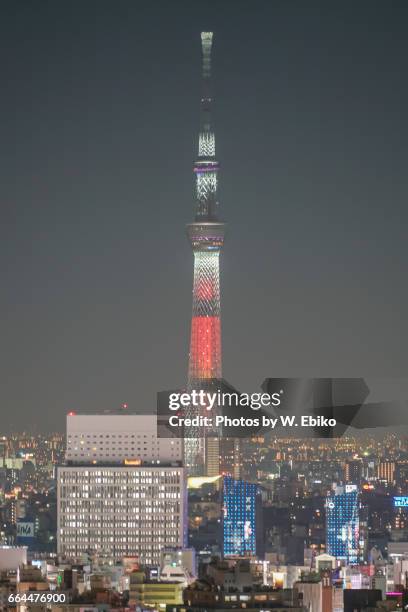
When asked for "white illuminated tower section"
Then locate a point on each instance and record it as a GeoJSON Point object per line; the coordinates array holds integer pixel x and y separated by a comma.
{"type": "Point", "coordinates": [206, 236]}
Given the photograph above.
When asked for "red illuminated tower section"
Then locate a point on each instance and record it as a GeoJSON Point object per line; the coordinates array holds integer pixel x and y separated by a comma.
{"type": "Point", "coordinates": [206, 236]}
{"type": "Point", "coordinates": [205, 343]}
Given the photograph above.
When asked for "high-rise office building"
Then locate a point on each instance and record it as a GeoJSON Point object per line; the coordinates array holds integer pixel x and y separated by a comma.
{"type": "Point", "coordinates": [206, 235]}
{"type": "Point", "coordinates": [353, 471]}
{"type": "Point", "coordinates": [241, 518]}
{"type": "Point", "coordinates": [230, 457]}
{"type": "Point", "coordinates": [122, 491]}
{"type": "Point", "coordinates": [212, 455]}
{"type": "Point", "coordinates": [120, 511]}
{"type": "Point", "coordinates": [343, 524]}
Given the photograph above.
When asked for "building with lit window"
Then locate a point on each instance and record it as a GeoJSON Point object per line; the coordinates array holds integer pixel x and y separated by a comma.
{"type": "Point", "coordinates": [230, 456]}
{"type": "Point", "coordinates": [118, 436]}
{"type": "Point", "coordinates": [343, 524]}
{"type": "Point", "coordinates": [121, 511]}
{"type": "Point", "coordinates": [386, 471]}
{"type": "Point", "coordinates": [129, 498]}
{"type": "Point", "coordinates": [353, 471]}
{"type": "Point", "coordinates": [152, 594]}
{"type": "Point", "coordinates": [241, 518]}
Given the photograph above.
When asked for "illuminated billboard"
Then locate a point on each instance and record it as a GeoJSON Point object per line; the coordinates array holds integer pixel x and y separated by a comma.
{"type": "Point", "coordinates": [401, 502]}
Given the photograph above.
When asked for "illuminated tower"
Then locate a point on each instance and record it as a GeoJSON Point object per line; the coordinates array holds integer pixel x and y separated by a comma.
{"type": "Point", "coordinates": [206, 235]}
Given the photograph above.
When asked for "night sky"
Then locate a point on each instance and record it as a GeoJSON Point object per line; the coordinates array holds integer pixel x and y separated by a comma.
{"type": "Point", "coordinates": [99, 119]}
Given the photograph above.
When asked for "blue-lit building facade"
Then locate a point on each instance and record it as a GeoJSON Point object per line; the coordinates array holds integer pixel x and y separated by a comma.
{"type": "Point", "coordinates": [241, 528]}
{"type": "Point", "coordinates": [343, 524]}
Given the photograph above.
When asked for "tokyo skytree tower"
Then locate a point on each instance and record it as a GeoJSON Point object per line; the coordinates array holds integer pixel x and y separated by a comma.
{"type": "Point", "coordinates": [206, 235]}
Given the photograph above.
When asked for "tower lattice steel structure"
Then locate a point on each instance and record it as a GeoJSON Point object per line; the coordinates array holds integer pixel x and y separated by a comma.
{"type": "Point", "coordinates": [206, 235]}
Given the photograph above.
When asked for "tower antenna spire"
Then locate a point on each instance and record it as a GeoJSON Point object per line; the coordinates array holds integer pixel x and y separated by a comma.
{"type": "Point", "coordinates": [206, 166]}
{"type": "Point", "coordinates": [206, 100]}
{"type": "Point", "coordinates": [206, 45]}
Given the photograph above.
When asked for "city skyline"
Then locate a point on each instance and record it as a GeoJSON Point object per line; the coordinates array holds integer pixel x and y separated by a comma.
{"type": "Point", "coordinates": [312, 139]}
{"type": "Point", "coordinates": [206, 500]}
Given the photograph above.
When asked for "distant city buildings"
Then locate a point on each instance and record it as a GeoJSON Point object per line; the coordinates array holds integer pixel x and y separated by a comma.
{"type": "Point", "coordinates": [108, 531]}
{"type": "Point", "coordinates": [27, 489]}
